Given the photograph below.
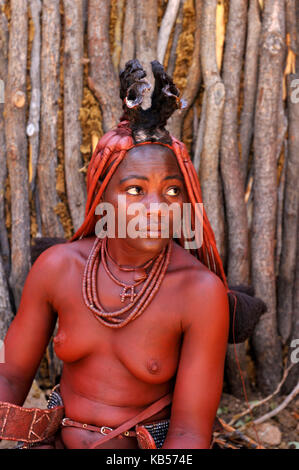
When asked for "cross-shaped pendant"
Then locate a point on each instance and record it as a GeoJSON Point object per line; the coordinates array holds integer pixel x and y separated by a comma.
{"type": "Point", "coordinates": [124, 294]}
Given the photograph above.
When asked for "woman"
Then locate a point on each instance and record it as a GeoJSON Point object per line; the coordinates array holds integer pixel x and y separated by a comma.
{"type": "Point", "coordinates": [139, 318]}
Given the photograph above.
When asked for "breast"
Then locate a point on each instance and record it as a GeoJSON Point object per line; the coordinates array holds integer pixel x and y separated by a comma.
{"type": "Point", "coordinates": [156, 363]}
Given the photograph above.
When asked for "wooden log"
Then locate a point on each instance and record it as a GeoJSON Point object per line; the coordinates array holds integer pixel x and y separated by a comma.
{"type": "Point", "coordinates": [6, 312]}
{"type": "Point", "coordinates": [193, 81]}
{"type": "Point", "coordinates": [32, 129]}
{"type": "Point", "coordinates": [279, 218]}
{"type": "Point", "coordinates": [215, 94]}
{"type": "Point", "coordinates": [73, 94]}
{"type": "Point", "coordinates": [177, 32]}
{"type": "Point", "coordinates": [291, 24]}
{"type": "Point", "coordinates": [293, 352]}
{"type": "Point", "coordinates": [238, 255]}
{"type": "Point", "coordinates": [265, 340]}
{"type": "Point", "coordinates": [200, 134]}
{"type": "Point", "coordinates": [102, 79]}
{"type": "Point", "coordinates": [167, 23]}
{"type": "Point", "coordinates": [146, 28]}
{"type": "Point", "coordinates": [120, 5]}
{"type": "Point", "coordinates": [50, 92]}
{"type": "Point", "coordinates": [128, 42]}
{"type": "Point", "coordinates": [287, 266]}
{"type": "Point", "coordinates": [4, 243]}
{"type": "Point", "coordinates": [16, 144]}
{"type": "Point", "coordinates": [250, 83]}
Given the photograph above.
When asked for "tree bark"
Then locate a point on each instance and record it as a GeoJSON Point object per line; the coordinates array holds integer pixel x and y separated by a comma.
{"type": "Point", "coordinates": [287, 266]}
{"type": "Point", "coordinates": [238, 266]}
{"type": "Point", "coordinates": [193, 81]}
{"type": "Point", "coordinates": [33, 129]}
{"type": "Point", "coordinates": [200, 134]}
{"type": "Point", "coordinates": [73, 93]}
{"type": "Point", "coordinates": [166, 28]}
{"type": "Point", "coordinates": [214, 96]}
{"type": "Point", "coordinates": [15, 131]}
{"type": "Point", "coordinates": [250, 83]}
{"type": "Point", "coordinates": [146, 39]}
{"type": "Point", "coordinates": [6, 313]}
{"type": "Point", "coordinates": [4, 243]}
{"type": "Point", "coordinates": [118, 35]}
{"type": "Point", "coordinates": [265, 340]}
{"type": "Point", "coordinates": [177, 31]}
{"type": "Point", "coordinates": [128, 44]}
{"type": "Point", "coordinates": [291, 23]}
{"type": "Point", "coordinates": [292, 378]}
{"type": "Point", "coordinates": [102, 79]}
{"type": "Point", "coordinates": [47, 163]}
{"type": "Point", "coordinates": [232, 177]}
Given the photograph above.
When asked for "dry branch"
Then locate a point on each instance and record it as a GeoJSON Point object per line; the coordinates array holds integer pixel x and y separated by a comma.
{"type": "Point", "coordinates": [166, 28]}
{"type": "Point", "coordinates": [264, 400]}
{"type": "Point", "coordinates": [146, 28]}
{"type": "Point", "coordinates": [279, 408]}
{"type": "Point", "coordinates": [102, 78]}
{"type": "Point", "coordinates": [34, 108]}
{"type": "Point", "coordinates": [238, 265]}
{"type": "Point", "coordinates": [16, 144]}
{"type": "Point", "coordinates": [294, 374]}
{"type": "Point", "coordinates": [200, 134]}
{"type": "Point", "coordinates": [120, 4]}
{"type": "Point", "coordinates": [176, 35]}
{"type": "Point", "coordinates": [4, 243]}
{"type": "Point", "coordinates": [47, 162]}
{"type": "Point", "coordinates": [128, 43]}
{"type": "Point", "coordinates": [265, 340]}
{"type": "Point", "coordinates": [291, 24]}
{"type": "Point", "coordinates": [6, 314]}
{"type": "Point", "coordinates": [250, 83]}
{"type": "Point", "coordinates": [214, 96]}
{"type": "Point", "coordinates": [279, 217]}
{"type": "Point", "coordinates": [73, 92]}
{"type": "Point", "coordinates": [193, 80]}
{"type": "Point", "coordinates": [287, 266]}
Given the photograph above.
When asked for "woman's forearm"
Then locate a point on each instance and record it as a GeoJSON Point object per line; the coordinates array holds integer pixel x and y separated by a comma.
{"type": "Point", "coordinates": [186, 441]}
{"type": "Point", "coordinates": [9, 391]}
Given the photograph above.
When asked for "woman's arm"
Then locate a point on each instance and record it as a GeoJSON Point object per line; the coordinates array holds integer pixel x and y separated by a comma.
{"type": "Point", "coordinates": [31, 329]}
{"type": "Point", "coordinates": [199, 378]}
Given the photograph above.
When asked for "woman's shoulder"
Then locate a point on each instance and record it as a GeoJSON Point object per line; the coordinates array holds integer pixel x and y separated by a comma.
{"type": "Point", "coordinates": [61, 253]}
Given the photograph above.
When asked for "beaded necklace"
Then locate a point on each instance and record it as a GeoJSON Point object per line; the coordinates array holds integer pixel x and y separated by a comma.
{"type": "Point", "coordinates": [138, 302]}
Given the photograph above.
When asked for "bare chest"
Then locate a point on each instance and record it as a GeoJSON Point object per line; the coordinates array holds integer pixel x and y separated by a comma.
{"type": "Point", "coordinates": [147, 349]}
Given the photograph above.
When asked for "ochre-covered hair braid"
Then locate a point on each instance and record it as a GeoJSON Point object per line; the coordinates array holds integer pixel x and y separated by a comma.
{"type": "Point", "coordinates": [109, 153]}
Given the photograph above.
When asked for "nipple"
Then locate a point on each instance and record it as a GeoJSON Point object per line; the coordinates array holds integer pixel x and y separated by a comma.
{"type": "Point", "coordinates": [153, 366]}
{"type": "Point", "coordinates": [59, 338]}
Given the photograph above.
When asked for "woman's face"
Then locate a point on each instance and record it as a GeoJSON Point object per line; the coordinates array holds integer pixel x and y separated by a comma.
{"type": "Point", "coordinates": [150, 176]}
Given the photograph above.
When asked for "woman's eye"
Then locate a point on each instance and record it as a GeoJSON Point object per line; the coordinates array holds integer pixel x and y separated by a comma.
{"type": "Point", "coordinates": [173, 191]}
{"type": "Point", "coordinates": [134, 190]}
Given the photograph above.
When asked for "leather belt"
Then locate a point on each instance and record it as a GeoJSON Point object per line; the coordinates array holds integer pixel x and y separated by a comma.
{"type": "Point", "coordinates": [88, 427]}
{"type": "Point", "coordinates": [28, 424]}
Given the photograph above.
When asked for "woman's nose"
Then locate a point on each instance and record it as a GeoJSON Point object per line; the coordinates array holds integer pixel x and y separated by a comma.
{"type": "Point", "coordinates": [153, 204]}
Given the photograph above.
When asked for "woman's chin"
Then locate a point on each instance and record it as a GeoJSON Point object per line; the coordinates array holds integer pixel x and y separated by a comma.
{"type": "Point", "coordinates": [151, 243]}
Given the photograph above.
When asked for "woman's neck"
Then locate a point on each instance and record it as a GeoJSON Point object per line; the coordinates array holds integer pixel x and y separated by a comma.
{"type": "Point", "coordinates": [125, 255]}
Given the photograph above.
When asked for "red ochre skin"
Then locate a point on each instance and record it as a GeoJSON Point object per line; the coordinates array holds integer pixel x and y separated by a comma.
{"type": "Point", "coordinates": [178, 344]}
